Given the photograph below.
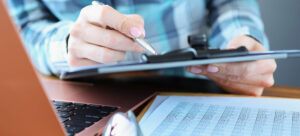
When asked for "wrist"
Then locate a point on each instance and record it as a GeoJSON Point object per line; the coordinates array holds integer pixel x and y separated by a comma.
{"type": "Point", "coordinates": [253, 38]}
{"type": "Point", "coordinates": [250, 43]}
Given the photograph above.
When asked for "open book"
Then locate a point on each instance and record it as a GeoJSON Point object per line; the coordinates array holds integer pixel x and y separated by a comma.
{"type": "Point", "coordinates": [221, 116]}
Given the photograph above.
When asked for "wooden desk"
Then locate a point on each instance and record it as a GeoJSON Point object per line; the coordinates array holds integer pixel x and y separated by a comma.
{"type": "Point", "coordinates": [87, 92]}
{"type": "Point", "coordinates": [153, 86]}
{"type": "Point", "coordinates": [282, 91]}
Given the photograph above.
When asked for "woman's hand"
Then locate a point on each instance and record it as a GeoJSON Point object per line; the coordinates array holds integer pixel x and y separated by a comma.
{"type": "Point", "coordinates": [103, 35]}
{"type": "Point", "coordinates": [241, 77]}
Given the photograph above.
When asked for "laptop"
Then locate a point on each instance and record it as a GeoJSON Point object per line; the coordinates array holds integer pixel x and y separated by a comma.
{"type": "Point", "coordinates": [34, 105]}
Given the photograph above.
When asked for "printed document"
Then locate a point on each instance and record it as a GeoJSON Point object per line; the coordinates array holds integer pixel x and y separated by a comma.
{"type": "Point", "coordinates": [221, 116]}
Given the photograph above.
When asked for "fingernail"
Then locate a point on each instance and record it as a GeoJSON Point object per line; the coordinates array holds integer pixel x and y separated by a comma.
{"type": "Point", "coordinates": [195, 70]}
{"type": "Point", "coordinates": [143, 32]}
{"type": "Point", "coordinates": [212, 69]}
{"type": "Point", "coordinates": [135, 32]}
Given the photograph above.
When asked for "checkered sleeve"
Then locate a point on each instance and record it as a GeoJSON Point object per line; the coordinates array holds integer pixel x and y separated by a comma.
{"type": "Point", "coordinates": [44, 36]}
{"type": "Point", "coordinates": [230, 18]}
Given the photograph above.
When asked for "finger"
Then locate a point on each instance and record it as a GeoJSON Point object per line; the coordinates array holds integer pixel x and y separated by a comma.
{"type": "Point", "coordinates": [136, 19]}
{"type": "Point", "coordinates": [237, 88]}
{"type": "Point", "coordinates": [264, 80]}
{"type": "Point", "coordinates": [80, 62]}
{"type": "Point", "coordinates": [102, 54]}
{"type": "Point", "coordinates": [260, 75]}
{"type": "Point", "coordinates": [105, 37]}
{"type": "Point", "coordinates": [96, 53]}
{"type": "Point", "coordinates": [233, 86]}
{"type": "Point", "coordinates": [243, 68]}
{"type": "Point", "coordinates": [104, 15]}
{"type": "Point", "coordinates": [250, 43]}
{"type": "Point", "coordinates": [196, 69]}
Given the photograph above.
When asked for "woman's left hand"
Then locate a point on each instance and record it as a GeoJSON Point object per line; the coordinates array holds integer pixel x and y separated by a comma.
{"type": "Point", "coordinates": [241, 77]}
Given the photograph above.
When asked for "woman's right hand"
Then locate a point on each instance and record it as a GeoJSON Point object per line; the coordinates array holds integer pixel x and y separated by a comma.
{"type": "Point", "coordinates": [102, 35]}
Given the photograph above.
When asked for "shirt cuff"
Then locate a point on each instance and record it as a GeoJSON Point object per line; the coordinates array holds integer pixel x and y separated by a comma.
{"type": "Point", "coordinates": [58, 50]}
{"type": "Point", "coordinates": [222, 39]}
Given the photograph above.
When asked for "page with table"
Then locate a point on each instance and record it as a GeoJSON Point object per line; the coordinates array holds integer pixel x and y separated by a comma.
{"type": "Point", "coordinates": [222, 116]}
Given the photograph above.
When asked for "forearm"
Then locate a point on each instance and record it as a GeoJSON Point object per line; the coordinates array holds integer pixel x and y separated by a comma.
{"type": "Point", "coordinates": [43, 34]}
{"type": "Point", "coordinates": [229, 19]}
{"type": "Point", "coordinates": [46, 43]}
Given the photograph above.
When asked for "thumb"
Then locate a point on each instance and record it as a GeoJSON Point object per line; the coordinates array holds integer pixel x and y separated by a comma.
{"type": "Point", "coordinates": [242, 40]}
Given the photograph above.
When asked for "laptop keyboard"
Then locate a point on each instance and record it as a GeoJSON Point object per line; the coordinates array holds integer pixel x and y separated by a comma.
{"type": "Point", "coordinates": [78, 116]}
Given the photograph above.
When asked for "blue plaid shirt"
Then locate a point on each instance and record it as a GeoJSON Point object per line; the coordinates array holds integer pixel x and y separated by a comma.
{"type": "Point", "coordinates": [45, 24]}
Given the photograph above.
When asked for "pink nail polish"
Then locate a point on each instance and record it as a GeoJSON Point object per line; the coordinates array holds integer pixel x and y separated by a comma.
{"type": "Point", "coordinates": [195, 70]}
{"type": "Point", "coordinates": [212, 69]}
{"type": "Point", "coordinates": [135, 32]}
{"type": "Point", "coordinates": [143, 32]}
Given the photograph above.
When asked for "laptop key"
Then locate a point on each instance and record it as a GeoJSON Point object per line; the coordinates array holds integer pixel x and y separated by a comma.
{"type": "Point", "coordinates": [79, 123]}
{"type": "Point", "coordinates": [88, 123]}
{"type": "Point", "coordinates": [74, 130]}
{"type": "Point", "coordinates": [78, 116]}
{"type": "Point", "coordinates": [70, 134]}
{"type": "Point", "coordinates": [63, 119]}
{"type": "Point", "coordinates": [67, 108]}
{"type": "Point", "coordinates": [91, 118]}
{"type": "Point", "coordinates": [105, 113]}
{"type": "Point", "coordinates": [86, 116]}
{"type": "Point", "coordinates": [60, 103]}
{"type": "Point", "coordinates": [65, 114]}
{"type": "Point", "coordinates": [107, 108]}
{"type": "Point", "coordinates": [78, 106]}
{"type": "Point", "coordinates": [87, 112]}
{"type": "Point", "coordinates": [74, 122]}
{"type": "Point", "coordinates": [95, 106]}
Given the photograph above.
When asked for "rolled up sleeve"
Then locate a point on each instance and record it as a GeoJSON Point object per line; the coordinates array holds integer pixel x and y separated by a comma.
{"type": "Point", "coordinates": [43, 34]}
{"type": "Point", "coordinates": [230, 18]}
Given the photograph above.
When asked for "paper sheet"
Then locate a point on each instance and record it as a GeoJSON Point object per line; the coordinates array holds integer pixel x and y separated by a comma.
{"type": "Point", "coordinates": [223, 116]}
{"type": "Point", "coordinates": [157, 101]}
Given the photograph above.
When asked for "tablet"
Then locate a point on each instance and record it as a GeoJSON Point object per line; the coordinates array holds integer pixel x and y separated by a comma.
{"type": "Point", "coordinates": [145, 65]}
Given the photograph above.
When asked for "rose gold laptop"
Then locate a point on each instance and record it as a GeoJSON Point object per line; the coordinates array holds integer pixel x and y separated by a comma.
{"type": "Point", "coordinates": [33, 107]}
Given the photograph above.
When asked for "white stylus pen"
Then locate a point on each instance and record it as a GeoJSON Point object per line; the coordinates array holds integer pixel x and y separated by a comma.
{"type": "Point", "coordinates": [140, 41]}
